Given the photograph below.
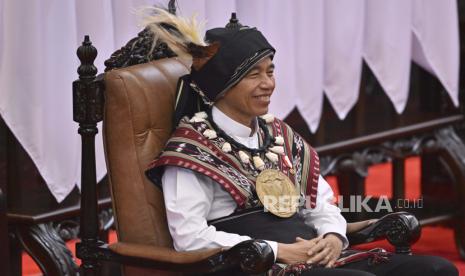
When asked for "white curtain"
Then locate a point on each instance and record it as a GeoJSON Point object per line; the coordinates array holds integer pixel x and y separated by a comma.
{"type": "Point", "coordinates": [309, 62]}
{"type": "Point", "coordinates": [343, 33]}
{"type": "Point", "coordinates": [36, 71]}
{"type": "Point", "coordinates": [436, 41]}
{"type": "Point", "coordinates": [320, 46]}
{"type": "Point", "coordinates": [387, 46]}
{"type": "Point", "coordinates": [38, 42]}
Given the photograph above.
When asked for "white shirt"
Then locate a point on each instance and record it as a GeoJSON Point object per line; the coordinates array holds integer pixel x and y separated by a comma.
{"type": "Point", "coordinates": [192, 199]}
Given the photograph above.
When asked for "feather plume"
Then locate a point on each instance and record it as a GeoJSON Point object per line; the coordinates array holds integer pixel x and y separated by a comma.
{"type": "Point", "coordinates": [179, 33]}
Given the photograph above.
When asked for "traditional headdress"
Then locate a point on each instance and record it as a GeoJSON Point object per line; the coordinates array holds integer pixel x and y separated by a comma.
{"type": "Point", "coordinates": [219, 61]}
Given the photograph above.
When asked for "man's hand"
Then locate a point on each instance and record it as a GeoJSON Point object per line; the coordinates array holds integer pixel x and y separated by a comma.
{"type": "Point", "coordinates": [296, 252]}
{"type": "Point", "coordinates": [326, 251]}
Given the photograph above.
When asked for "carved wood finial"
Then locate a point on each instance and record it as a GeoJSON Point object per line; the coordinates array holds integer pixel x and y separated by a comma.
{"type": "Point", "coordinates": [172, 6]}
{"type": "Point", "coordinates": [87, 54]}
{"type": "Point", "coordinates": [88, 103]}
{"type": "Point", "coordinates": [233, 22]}
{"type": "Point", "coordinates": [141, 49]}
{"type": "Point", "coordinates": [87, 90]}
{"type": "Point", "coordinates": [138, 50]}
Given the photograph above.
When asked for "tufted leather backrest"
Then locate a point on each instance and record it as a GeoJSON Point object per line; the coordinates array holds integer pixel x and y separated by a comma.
{"type": "Point", "coordinates": [139, 103]}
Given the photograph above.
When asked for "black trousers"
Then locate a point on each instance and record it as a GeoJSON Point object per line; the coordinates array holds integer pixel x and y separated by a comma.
{"type": "Point", "coordinates": [399, 265]}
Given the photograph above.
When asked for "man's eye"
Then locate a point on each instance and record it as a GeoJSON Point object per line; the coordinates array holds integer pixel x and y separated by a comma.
{"type": "Point", "coordinates": [270, 73]}
{"type": "Point", "coordinates": [253, 74]}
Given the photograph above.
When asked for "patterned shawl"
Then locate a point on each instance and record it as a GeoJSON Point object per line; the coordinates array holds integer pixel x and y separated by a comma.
{"type": "Point", "coordinates": [189, 148]}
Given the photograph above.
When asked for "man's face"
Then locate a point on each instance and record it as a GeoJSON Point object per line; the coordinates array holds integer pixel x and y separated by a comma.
{"type": "Point", "coordinates": [251, 96]}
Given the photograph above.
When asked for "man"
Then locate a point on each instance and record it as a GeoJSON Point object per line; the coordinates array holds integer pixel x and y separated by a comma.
{"type": "Point", "coordinates": [229, 164]}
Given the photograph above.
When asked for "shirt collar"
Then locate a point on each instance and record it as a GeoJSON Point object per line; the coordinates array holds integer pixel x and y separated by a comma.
{"type": "Point", "coordinates": [230, 126]}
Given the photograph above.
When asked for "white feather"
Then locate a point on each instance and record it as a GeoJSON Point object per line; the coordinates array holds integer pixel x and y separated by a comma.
{"type": "Point", "coordinates": [189, 28]}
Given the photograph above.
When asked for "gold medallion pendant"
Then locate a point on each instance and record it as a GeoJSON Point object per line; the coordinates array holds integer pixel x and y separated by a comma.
{"type": "Point", "coordinates": [277, 193]}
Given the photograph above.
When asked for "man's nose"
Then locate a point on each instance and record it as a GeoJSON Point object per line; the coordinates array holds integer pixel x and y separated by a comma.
{"type": "Point", "coordinates": [267, 82]}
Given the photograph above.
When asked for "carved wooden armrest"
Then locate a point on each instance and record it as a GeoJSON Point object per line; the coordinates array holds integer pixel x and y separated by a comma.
{"type": "Point", "coordinates": [252, 257]}
{"type": "Point", "coordinates": [163, 254]}
{"type": "Point", "coordinates": [401, 229]}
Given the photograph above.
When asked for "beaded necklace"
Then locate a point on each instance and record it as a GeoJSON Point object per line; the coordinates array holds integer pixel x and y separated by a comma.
{"type": "Point", "coordinates": [267, 140]}
{"type": "Point", "coordinates": [272, 147]}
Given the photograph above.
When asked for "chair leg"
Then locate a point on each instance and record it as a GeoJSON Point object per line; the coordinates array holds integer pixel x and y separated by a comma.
{"type": "Point", "coordinates": [45, 246]}
{"type": "Point", "coordinates": [452, 150]}
{"type": "Point", "coordinates": [90, 268]}
{"type": "Point", "coordinates": [14, 265]}
{"type": "Point", "coordinates": [351, 184]}
{"type": "Point", "coordinates": [398, 180]}
{"type": "Point", "coordinates": [7, 250]}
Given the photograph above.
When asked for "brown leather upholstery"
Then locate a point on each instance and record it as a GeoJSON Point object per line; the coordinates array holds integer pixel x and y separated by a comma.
{"type": "Point", "coordinates": [139, 104]}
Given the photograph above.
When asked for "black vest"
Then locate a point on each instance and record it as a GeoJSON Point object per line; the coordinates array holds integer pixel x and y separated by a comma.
{"type": "Point", "coordinates": [258, 224]}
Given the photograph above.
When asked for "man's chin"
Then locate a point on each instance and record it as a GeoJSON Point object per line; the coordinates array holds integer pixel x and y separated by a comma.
{"type": "Point", "coordinates": [263, 113]}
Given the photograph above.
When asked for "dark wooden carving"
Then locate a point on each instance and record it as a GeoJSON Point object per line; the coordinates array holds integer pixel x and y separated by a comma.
{"type": "Point", "coordinates": [88, 111]}
{"type": "Point", "coordinates": [45, 246]}
{"type": "Point", "coordinates": [69, 229]}
{"type": "Point", "coordinates": [141, 49]}
{"type": "Point", "coordinates": [451, 148]}
{"type": "Point", "coordinates": [401, 230]}
{"type": "Point", "coordinates": [233, 22]}
{"type": "Point", "coordinates": [172, 6]}
{"type": "Point", "coordinates": [252, 257]}
{"type": "Point", "coordinates": [350, 161]}
{"type": "Point", "coordinates": [4, 270]}
{"type": "Point", "coordinates": [358, 154]}
{"type": "Point", "coordinates": [138, 50]}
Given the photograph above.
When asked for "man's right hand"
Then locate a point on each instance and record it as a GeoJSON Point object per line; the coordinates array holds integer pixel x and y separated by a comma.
{"type": "Point", "coordinates": [296, 252]}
